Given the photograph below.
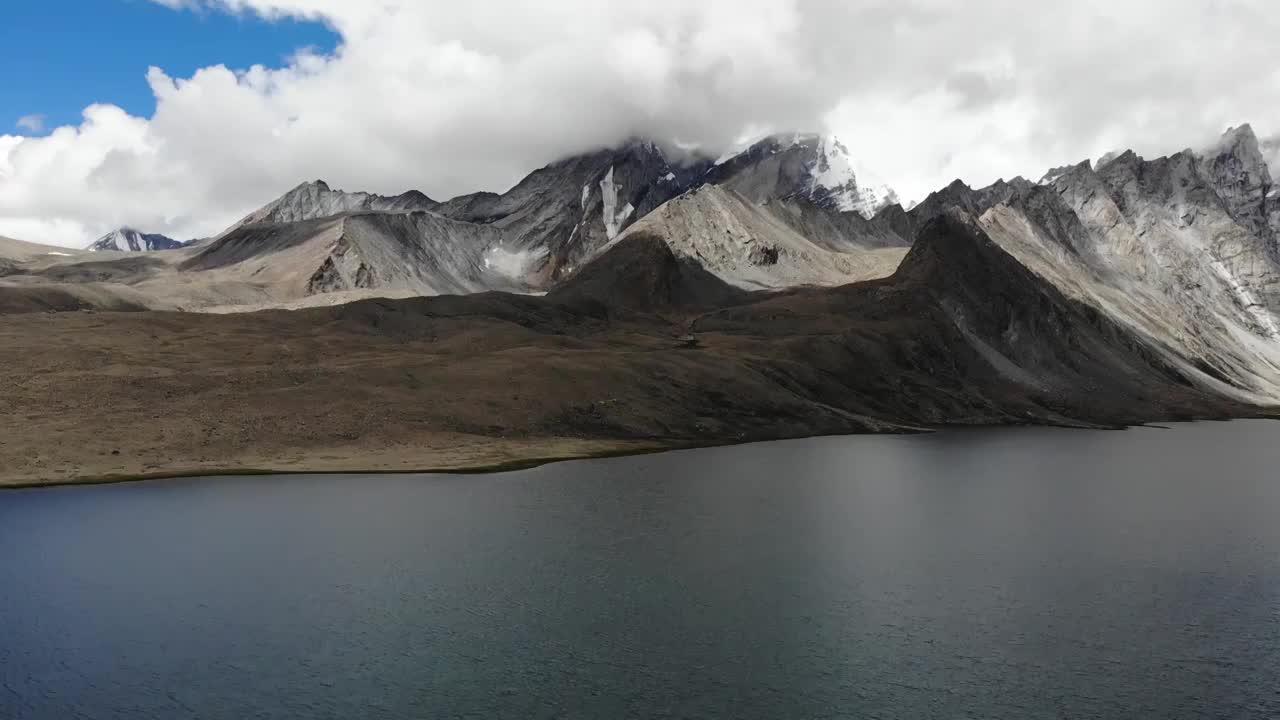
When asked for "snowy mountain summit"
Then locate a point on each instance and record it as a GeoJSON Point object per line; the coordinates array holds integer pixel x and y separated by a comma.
{"type": "Point", "coordinates": [130, 240]}
{"type": "Point", "coordinates": [838, 182]}
{"type": "Point", "coordinates": [817, 168]}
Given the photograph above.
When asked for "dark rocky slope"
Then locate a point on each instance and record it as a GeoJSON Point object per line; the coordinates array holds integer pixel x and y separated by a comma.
{"type": "Point", "coordinates": [642, 275]}
{"type": "Point", "coordinates": [964, 333]}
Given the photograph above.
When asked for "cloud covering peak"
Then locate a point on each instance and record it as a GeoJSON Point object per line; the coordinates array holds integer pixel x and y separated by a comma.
{"type": "Point", "coordinates": [450, 98]}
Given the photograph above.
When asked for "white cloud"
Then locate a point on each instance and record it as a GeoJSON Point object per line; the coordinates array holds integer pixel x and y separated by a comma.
{"type": "Point", "coordinates": [455, 97]}
{"type": "Point", "coordinates": [31, 123]}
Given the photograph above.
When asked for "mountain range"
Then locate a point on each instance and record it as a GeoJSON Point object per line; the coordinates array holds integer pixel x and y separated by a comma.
{"type": "Point", "coordinates": [635, 296]}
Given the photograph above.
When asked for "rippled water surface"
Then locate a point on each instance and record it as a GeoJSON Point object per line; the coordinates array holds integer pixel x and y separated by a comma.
{"type": "Point", "coordinates": [984, 574]}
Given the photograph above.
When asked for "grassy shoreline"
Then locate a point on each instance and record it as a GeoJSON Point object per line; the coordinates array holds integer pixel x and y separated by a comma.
{"type": "Point", "coordinates": [479, 468]}
{"type": "Point", "coordinates": [607, 450]}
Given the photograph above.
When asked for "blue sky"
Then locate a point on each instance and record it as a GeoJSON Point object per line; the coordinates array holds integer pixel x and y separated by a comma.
{"type": "Point", "coordinates": [58, 56]}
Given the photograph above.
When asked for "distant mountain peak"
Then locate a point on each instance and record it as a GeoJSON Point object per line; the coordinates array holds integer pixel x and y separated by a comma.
{"type": "Point", "coordinates": [316, 199]}
{"type": "Point", "coordinates": [809, 166]}
{"type": "Point", "coordinates": [127, 239]}
{"type": "Point", "coordinates": [1240, 133]}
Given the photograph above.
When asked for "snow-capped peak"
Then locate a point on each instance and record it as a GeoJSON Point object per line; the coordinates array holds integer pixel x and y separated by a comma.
{"type": "Point", "coordinates": [846, 185]}
{"type": "Point", "coordinates": [130, 240]}
{"type": "Point", "coordinates": [818, 168]}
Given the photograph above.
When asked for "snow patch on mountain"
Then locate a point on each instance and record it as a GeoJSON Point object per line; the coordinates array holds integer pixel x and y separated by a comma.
{"type": "Point", "coordinates": [612, 218]}
{"type": "Point", "coordinates": [514, 264]}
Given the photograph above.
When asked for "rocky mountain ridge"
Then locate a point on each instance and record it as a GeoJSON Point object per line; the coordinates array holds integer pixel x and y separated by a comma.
{"type": "Point", "coordinates": [678, 311]}
{"type": "Point", "coordinates": [1180, 250]}
{"type": "Point", "coordinates": [563, 214]}
{"type": "Point", "coordinates": [315, 200]}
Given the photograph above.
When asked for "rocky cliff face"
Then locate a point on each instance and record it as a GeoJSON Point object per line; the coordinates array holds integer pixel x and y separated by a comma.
{"type": "Point", "coordinates": [968, 332]}
{"type": "Point", "coordinates": [1174, 249]}
{"type": "Point", "coordinates": [417, 253]}
{"type": "Point", "coordinates": [1237, 170]}
{"type": "Point", "coordinates": [567, 211]}
{"type": "Point", "coordinates": [894, 221]}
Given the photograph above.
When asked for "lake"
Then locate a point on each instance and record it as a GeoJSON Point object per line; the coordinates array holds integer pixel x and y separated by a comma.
{"type": "Point", "coordinates": [1021, 573]}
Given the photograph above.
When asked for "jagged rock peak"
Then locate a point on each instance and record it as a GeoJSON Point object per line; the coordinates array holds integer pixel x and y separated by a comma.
{"type": "Point", "coordinates": [1237, 150]}
{"type": "Point", "coordinates": [1055, 173]}
{"type": "Point", "coordinates": [1128, 158]}
{"type": "Point", "coordinates": [1239, 135]}
{"type": "Point", "coordinates": [1238, 171]}
{"type": "Point", "coordinates": [127, 239]}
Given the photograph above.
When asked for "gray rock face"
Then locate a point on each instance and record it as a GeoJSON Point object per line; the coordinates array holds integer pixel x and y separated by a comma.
{"type": "Point", "coordinates": [429, 255]}
{"type": "Point", "coordinates": [1238, 171]}
{"type": "Point", "coordinates": [764, 255]}
{"type": "Point", "coordinates": [130, 240]}
{"type": "Point", "coordinates": [1175, 249]}
{"type": "Point", "coordinates": [570, 209]}
{"type": "Point", "coordinates": [1188, 227]}
{"type": "Point", "coordinates": [773, 245]}
{"type": "Point", "coordinates": [416, 253]}
{"type": "Point", "coordinates": [1026, 328]}
{"type": "Point", "coordinates": [900, 226]}
{"type": "Point", "coordinates": [521, 241]}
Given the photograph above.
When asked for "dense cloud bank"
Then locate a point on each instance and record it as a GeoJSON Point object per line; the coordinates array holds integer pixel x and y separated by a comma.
{"type": "Point", "coordinates": [451, 97]}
